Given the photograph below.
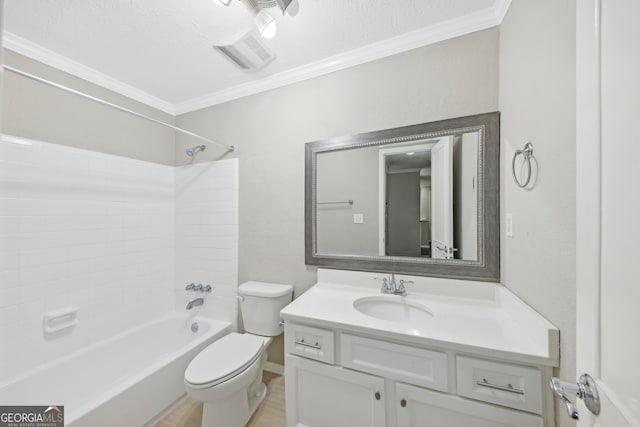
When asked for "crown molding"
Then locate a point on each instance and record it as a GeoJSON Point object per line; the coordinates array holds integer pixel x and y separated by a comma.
{"type": "Point", "coordinates": [457, 27]}
{"type": "Point", "coordinates": [35, 51]}
{"type": "Point", "coordinates": [501, 7]}
{"type": "Point", "coordinates": [446, 30]}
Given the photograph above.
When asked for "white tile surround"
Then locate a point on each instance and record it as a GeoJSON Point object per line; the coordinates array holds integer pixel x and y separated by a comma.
{"type": "Point", "coordinates": [107, 234]}
{"type": "Point", "coordinates": [207, 237]}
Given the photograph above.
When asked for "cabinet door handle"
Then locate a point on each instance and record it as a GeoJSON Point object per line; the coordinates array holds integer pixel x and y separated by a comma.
{"type": "Point", "coordinates": [403, 403]}
{"type": "Point", "coordinates": [305, 344]}
{"type": "Point", "coordinates": [377, 395]}
{"type": "Point", "coordinates": [509, 388]}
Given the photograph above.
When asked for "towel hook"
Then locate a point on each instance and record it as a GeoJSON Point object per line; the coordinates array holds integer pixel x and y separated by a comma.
{"type": "Point", "coordinates": [527, 153]}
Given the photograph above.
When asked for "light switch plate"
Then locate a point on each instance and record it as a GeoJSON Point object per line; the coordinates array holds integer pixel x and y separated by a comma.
{"type": "Point", "coordinates": [358, 218]}
{"type": "Point", "coordinates": [508, 226]}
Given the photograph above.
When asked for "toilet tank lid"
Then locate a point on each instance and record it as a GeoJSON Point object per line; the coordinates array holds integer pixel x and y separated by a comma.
{"type": "Point", "coordinates": [264, 289]}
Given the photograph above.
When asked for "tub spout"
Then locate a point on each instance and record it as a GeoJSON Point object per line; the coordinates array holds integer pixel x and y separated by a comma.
{"type": "Point", "coordinates": [195, 303]}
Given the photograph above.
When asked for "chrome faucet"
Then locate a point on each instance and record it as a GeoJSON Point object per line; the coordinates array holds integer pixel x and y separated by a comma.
{"type": "Point", "coordinates": [195, 303]}
{"type": "Point", "coordinates": [391, 289]}
{"type": "Point", "coordinates": [389, 285]}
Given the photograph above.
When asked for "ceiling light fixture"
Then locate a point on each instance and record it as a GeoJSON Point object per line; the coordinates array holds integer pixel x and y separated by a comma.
{"type": "Point", "coordinates": [264, 21]}
{"type": "Point", "coordinates": [266, 24]}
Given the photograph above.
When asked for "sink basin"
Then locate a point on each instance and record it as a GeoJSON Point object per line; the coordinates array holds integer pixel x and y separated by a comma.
{"type": "Point", "coordinates": [392, 308]}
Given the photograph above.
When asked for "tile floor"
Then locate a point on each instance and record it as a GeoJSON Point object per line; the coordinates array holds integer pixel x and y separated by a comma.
{"type": "Point", "coordinates": [270, 414]}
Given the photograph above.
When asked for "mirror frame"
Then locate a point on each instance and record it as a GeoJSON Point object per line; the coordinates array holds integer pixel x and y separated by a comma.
{"type": "Point", "coordinates": [486, 267]}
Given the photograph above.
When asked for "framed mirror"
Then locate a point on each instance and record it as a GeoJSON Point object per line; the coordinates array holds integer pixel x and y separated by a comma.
{"type": "Point", "coordinates": [421, 199]}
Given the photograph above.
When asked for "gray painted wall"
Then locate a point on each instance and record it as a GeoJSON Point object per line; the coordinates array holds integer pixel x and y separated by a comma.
{"type": "Point", "coordinates": [36, 111]}
{"type": "Point", "coordinates": [454, 78]}
{"type": "Point", "coordinates": [537, 104]}
{"type": "Point", "coordinates": [403, 214]}
{"type": "Point", "coordinates": [348, 175]}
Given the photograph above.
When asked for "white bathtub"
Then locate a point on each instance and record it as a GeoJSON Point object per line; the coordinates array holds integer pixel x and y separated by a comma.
{"type": "Point", "coordinates": [126, 380]}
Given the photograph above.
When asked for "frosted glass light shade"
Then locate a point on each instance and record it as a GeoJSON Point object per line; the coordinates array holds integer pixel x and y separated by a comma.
{"type": "Point", "coordinates": [266, 24]}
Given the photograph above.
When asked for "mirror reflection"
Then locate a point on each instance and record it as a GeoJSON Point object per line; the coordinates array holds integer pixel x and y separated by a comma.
{"type": "Point", "coordinates": [420, 199]}
{"type": "Point", "coordinates": [411, 199]}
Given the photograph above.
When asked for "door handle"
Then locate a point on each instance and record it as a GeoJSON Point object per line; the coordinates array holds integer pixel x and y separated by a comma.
{"type": "Point", "coordinates": [585, 389]}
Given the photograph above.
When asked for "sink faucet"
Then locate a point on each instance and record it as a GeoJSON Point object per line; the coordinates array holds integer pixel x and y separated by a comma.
{"type": "Point", "coordinates": [195, 303]}
{"type": "Point", "coordinates": [389, 285]}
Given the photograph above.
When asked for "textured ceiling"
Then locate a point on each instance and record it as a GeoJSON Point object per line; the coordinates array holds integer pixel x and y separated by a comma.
{"type": "Point", "coordinates": [164, 47]}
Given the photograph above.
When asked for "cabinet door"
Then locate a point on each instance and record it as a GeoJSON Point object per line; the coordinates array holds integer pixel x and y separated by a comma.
{"type": "Point", "coordinates": [418, 407]}
{"type": "Point", "coordinates": [321, 395]}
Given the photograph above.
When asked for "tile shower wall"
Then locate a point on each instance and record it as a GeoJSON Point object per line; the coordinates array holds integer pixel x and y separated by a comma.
{"type": "Point", "coordinates": [207, 237]}
{"type": "Point", "coordinates": [80, 228]}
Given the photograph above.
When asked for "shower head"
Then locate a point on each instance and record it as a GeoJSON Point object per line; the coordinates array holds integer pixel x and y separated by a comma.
{"type": "Point", "coordinates": [191, 152]}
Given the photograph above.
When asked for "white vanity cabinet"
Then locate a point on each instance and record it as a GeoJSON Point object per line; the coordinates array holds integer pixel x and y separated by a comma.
{"type": "Point", "coordinates": [321, 395]}
{"type": "Point", "coordinates": [448, 354]}
{"type": "Point", "coordinates": [341, 378]}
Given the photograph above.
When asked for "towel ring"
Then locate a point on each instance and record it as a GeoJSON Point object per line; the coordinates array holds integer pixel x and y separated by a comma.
{"type": "Point", "coordinates": [527, 153]}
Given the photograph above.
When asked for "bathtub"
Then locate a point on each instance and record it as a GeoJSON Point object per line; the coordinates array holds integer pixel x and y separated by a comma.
{"type": "Point", "coordinates": [126, 380]}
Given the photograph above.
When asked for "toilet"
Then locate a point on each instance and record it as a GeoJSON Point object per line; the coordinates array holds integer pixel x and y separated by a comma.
{"type": "Point", "coordinates": [227, 375]}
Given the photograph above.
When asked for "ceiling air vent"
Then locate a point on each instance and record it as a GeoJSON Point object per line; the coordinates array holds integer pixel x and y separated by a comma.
{"type": "Point", "coordinates": [247, 51]}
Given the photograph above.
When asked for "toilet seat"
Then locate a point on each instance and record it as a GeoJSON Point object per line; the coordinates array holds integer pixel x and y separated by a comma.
{"type": "Point", "coordinates": [224, 359]}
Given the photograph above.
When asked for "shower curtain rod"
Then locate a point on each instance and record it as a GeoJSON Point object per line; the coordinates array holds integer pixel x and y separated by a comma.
{"type": "Point", "coordinates": [109, 104]}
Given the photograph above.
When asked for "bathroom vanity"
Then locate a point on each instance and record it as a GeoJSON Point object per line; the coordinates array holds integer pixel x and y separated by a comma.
{"type": "Point", "coordinates": [450, 352]}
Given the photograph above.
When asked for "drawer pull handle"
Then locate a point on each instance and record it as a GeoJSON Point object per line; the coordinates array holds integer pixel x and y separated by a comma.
{"type": "Point", "coordinates": [305, 344]}
{"type": "Point", "coordinates": [403, 403]}
{"type": "Point", "coordinates": [509, 388]}
{"type": "Point", "coordinates": [377, 395]}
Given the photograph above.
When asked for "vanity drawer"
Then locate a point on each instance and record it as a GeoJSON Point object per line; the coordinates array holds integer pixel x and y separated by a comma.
{"type": "Point", "coordinates": [412, 365]}
{"type": "Point", "coordinates": [310, 342]}
{"type": "Point", "coordinates": [517, 387]}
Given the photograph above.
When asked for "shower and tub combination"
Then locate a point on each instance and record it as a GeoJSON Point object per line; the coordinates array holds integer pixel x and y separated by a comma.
{"type": "Point", "coordinates": [111, 353]}
{"type": "Point", "coordinates": [111, 345]}
{"type": "Point", "coordinates": [101, 242]}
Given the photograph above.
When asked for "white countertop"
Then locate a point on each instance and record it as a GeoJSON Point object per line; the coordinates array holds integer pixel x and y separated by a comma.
{"type": "Point", "coordinates": [491, 322]}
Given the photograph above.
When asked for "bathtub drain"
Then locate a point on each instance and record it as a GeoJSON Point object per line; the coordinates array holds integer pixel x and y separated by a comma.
{"type": "Point", "coordinates": [194, 327]}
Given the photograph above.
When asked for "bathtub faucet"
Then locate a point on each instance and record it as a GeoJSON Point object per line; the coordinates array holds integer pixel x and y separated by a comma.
{"type": "Point", "coordinates": [195, 303]}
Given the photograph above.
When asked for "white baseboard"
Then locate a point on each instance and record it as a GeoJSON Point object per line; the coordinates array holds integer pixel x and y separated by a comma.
{"type": "Point", "coordinates": [169, 409]}
{"type": "Point", "coordinates": [274, 368]}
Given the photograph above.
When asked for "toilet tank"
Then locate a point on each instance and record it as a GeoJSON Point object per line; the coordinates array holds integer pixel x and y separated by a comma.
{"type": "Point", "coordinates": [261, 304]}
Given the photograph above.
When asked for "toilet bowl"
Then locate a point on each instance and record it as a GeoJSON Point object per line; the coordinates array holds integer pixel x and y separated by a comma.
{"type": "Point", "coordinates": [227, 375]}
